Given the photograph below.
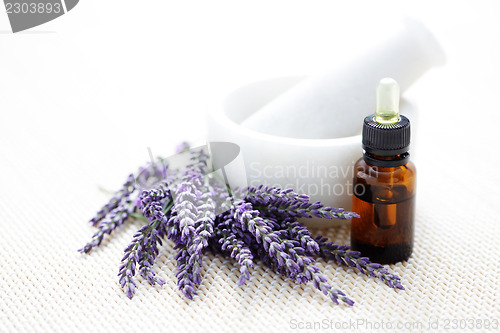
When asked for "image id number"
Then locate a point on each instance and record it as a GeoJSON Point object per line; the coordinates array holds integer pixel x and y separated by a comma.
{"type": "Point", "coordinates": [33, 8]}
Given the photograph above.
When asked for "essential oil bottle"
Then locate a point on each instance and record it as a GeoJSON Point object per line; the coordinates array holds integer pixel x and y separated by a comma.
{"type": "Point", "coordinates": [384, 183]}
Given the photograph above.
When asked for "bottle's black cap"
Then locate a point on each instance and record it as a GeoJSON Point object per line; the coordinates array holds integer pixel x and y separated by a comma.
{"type": "Point", "coordinates": [386, 140]}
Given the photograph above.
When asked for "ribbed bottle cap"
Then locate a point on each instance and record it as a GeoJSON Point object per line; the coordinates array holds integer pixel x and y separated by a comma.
{"type": "Point", "coordinates": [386, 139]}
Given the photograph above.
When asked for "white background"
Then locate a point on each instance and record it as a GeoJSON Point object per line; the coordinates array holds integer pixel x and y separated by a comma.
{"type": "Point", "coordinates": [99, 85]}
{"type": "Point", "coordinates": [110, 78]}
{"type": "Point", "coordinates": [84, 96]}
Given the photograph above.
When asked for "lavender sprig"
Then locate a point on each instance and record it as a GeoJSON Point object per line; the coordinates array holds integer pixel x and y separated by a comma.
{"type": "Point", "coordinates": [122, 205]}
{"type": "Point", "coordinates": [204, 228]}
{"type": "Point", "coordinates": [127, 272]}
{"type": "Point", "coordinates": [193, 213]}
{"type": "Point", "coordinates": [285, 255]}
{"type": "Point", "coordinates": [237, 248]}
{"type": "Point", "coordinates": [320, 283]}
{"type": "Point", "coordinates": [115, 218]}
{"type": "Point", "coordinates": [120, 196]}
{"type": "Point", "coordinates": [248, 219]}
{"type": "Point", "coordinates": [184, 272]}
{"type": "Point", "coordinates": [278, 202]}
{"type": "Point", "coordinates": [127, 267]}
{"type": "Point", "coordinates": [143, 249]}
{"type": "Point", "coordinates": [312, 273]}
{"type": "Point", "coordinates": [187, 196]}
{"type": "Point", "coordinates": [184, 211]}
{"type": "Point", "coordinates": [136, 253]}
{"type": "Point", "coordinates": [154, 210]}
{"type": "Point", "coordinates": [300, 233]}
{"type": "Point", "coordinates": [340, 253]}
{"type": "Point", "coordinates": [343, 256]}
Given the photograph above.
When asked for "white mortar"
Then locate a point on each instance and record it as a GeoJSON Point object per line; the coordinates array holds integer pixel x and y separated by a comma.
{"type": "Point", "coordinates": [265, 156]}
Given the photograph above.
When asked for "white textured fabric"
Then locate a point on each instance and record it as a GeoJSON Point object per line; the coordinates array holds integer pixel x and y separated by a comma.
{"type": "Point", "coordinates": [123, 85]}
{"type": "Point", "coordinates": [45, 285]}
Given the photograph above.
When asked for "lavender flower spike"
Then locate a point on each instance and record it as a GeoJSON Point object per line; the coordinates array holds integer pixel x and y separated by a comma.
{"type": "Point", "coordinates": [187, 196]}
{"type": "Point", "coordinates": [237, 249]}
{"type": "Point", "coordinates": [154, 203]}
{"type": "Point", "coordinates": [300, 233]}
{"type": "Point", "coordinates": [278, 202]}
{"type": "Point", "coordinates": [319, 281]}
{"type": "Point", "coordinates": [127, 189]}
{"type": "Point", "coordinates": [343, 255]}
{"type": "Point", "coordinates": [204, 228]}
{"type": "Point", "coordinates": [312, 273]}
{"type": "Point", "coordinates": [192, 221]}
{"type": "Point", "coordinates": [115, 218]}
{"type": "Point", "coordinates": [184, 272]}
{"type": "Point", "coordinates": [280, 251]}
{"type": "Point", "coordinates": [137, 253]}
{"type": "Point", "coordinates": [143, 249]}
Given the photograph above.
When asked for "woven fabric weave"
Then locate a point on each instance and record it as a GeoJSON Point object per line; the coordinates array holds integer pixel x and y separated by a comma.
{"type": "Point", "coordinates": [49, 191]}
{"type": "Point", "coordinates": [46, 285]}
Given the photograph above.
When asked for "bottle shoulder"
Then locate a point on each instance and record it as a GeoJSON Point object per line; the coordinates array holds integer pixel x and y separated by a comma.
{"type": "Point", "coordinates": [368, 173]}
{"type": "Point", "coordinates": [362, 165]}
{"type": "Point", "coordinates": [410, 166]}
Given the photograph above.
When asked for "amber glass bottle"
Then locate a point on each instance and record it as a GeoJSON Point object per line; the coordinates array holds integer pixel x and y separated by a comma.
{"type": "Point", "coordinates": [384, 184]}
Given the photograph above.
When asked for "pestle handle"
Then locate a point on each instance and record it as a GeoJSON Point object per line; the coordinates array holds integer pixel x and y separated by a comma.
{"type": "Point", "coordinates": [331, 105]}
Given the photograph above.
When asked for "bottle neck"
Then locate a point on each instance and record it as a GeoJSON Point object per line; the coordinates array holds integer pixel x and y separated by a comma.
{"type": "Point", "coordinates": [386, 161]}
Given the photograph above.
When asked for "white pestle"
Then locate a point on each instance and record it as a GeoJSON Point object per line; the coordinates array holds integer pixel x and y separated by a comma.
{"type": "Point", "coordinates": [333, 105]}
